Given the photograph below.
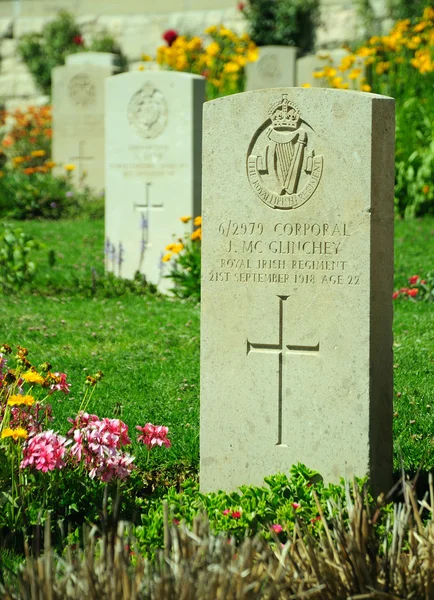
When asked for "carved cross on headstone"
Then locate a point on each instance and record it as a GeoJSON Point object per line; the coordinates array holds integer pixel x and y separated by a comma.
{"type": "Point", "coordinates": [280, 349]}
{"type": "Point", "coordinates": [145, 210]}
{"type": "Point", "coordinates": [79, 159]}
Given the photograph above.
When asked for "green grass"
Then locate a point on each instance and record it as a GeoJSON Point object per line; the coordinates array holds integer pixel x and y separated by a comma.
{"type": "Point", "coordinates": [148, 346]}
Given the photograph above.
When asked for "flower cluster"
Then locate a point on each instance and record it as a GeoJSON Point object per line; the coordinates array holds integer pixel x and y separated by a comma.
{"type": "Point", "coordinates": [408, 46]}
{"type": "Point", "coordinates": [44, 451]}
{"type": "Point", "coordinates": [153, 435]}
{"type": "Point", "coordinates": [421, 289]}
{"type": "Point", "coordinates": [24, 132]}
{"type": "Point", "coordinates": [97, 444]}
{"type": "Point", "coordinates": [220, 59]}
{"type": "Point", "coordinates": [184, 256]}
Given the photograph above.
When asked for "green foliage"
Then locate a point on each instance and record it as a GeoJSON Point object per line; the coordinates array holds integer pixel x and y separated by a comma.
{"type": "Point", "coordinates": [29, 196]}
{"type": "Point", "coordinates": [60, 37]}
{"type": "Point", "coordinates": [246, 511]}
{"type": "Point", "coordinates": [185, 264]}
{"type": "Point", "coordinates": [16, 264]}
{"type": "Point", "coordinates": [414, 187]}
{"type": "Point", "coordinates": [283, 22]}
{"type": "Point", "coordinates": [406, 9]}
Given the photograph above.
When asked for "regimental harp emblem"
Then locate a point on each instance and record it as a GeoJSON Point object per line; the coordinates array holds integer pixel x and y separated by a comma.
{"type": "Point", "coordinates": [282, 167]}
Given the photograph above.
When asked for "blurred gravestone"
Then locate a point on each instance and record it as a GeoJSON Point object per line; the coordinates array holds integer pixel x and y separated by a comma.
{"type": "Point", "coordinates": [153, 167]}
{"type": "Point", "coordinates": [275, 67]}
{"type": "Point", "coordinates": [78, 121]}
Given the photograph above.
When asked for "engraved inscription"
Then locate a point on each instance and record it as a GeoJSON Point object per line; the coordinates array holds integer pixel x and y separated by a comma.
{"type": "Point", "coordinates": [81, 90]}
{"type": "Point", "coordinates": [280, 349]}
{"type": "Point", "coordinates": [148, 112]}
{"type": "Point", "coordinates": [282, 167]}
{"type": "Point", "coordinates": [268, 66]}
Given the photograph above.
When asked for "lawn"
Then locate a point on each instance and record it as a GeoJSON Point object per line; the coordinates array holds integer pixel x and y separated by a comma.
{"type": "Point", "coordinates": [148, 346]}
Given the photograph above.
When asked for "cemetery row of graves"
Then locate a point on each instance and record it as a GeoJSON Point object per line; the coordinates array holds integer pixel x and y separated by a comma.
{"type": "Point", "coordinates": [303, 258]}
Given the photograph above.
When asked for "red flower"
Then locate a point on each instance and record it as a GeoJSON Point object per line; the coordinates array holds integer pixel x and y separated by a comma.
{"type": "Point", "coordinates": [236, 514]}
{"type": "Point", "coordinates": [317, 518]}
{"type": "Point", "coordinates": [395, 295]}
{"type": "Point", "coordinates": [413, 279]}
{"type": "Point", "coordinates": [423, 282]}
{"type": "Point", "coordinates": [78, 40]}
{"type": "Point", "coordinates": [170, 36]}
{"type": "Point", "coordinates": [295, 505]}
{"type": "Point", "coordinates": [413, 292]}
{"type": "Point", "coordinates": [241, 6]}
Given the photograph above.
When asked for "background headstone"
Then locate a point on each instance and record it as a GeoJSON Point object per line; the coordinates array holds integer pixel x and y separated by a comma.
{"type": "Point", "coordinates": [78, 121]}
{"type": "Point", "coordinates": [153, 167]}
{"type": "Point", "coordinates": [275, 67]}
{"type": "Point", "coordinates": [297, 276]}
{"type": "Point", "coordinates": [99, 59]}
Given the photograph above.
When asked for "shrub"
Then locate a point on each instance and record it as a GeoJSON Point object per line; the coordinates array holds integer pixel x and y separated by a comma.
{"type": "Point", "coordinates": [184, 259]}
{"type": "Point", "coordinates": [283, 22]}
{"type": "Point", "coordinates": [221, 61]}
{"type": "Point", "coordinates": [16, 264]}
{"type": "Point", "coordinates": [60, 37]}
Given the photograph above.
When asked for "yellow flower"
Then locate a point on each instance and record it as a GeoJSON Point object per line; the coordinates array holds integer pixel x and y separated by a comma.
{"type": "Point", "coordinates": [167, 257]}
{"type": "Point", "coordinates": [252, 54]}
{"type": "Point", "coordinates": [210, 30]}
{"type": "Point", "coordinates": [197, 221]}
{"type": "Point", "coordinates": [146, 57]}
{"type": "Point", "coordinates": [197, 235]}
{"type": "Point", "coordinates": [33, 377]}
{"type": "Point", "coordinates": [50, 164]}
{"type": "Point", "coordinates": [185, 219]}
{"type": "Point", "coordinates": [141, 67]}
{"type": "Point", "coordinates": [177, 248]}
{"type": "Point", "coordinates": [17, 160]}
{"type": "Point", "coordinates": [69, 168]}
{"type": "Point", "coordinates": [169, 247]}
{"type": "Point", "coordinates": [428, 13]}
{"type": "Point", "coordinates": [19, 432]}
{"type": "Point", "coordinates": [382, 67]}
{"type": "Point", "coordinates": [213, 49]}
{"type": "Point", "coordinates": [347, 62]}
{"type": "Point", "coordinates": [231, 67]}
{"type": "Point", "coordinates": [38, 153]}
{"type": "Point", "coordinates": [194, 44]}
{"type": "Point", "coordinates": [354, 74]}
{"type": "Point", "coordinates": [330, 72]}
{"type": "Point", "coordinates": [365, 87]}
{"type": "Point", "coordinates": [181, 63]}
{"type": "Point", "coordinates": [17, 400]}
{"type": "Point", "coordinates": [1, 174]}
{"type": "Point", "coordinates": [306, 85]}
{"type": "Point", "coordinates": [318, 74]}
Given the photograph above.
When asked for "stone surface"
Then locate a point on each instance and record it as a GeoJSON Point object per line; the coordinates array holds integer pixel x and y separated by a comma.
{"type": "Point", "coordinates": [275, 67]}
{"type": "Point", "coordinates": [297, 275]}
{"type": "Point", "coordinates": [99, 59]}
{"type": "Point", "coordinates": [153, 166]}
{"type": "Point", "coordinates": [78, 121]}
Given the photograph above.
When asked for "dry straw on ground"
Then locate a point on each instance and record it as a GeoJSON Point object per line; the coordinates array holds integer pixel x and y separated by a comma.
{"type": "Point", "coordinates": [373, 554]}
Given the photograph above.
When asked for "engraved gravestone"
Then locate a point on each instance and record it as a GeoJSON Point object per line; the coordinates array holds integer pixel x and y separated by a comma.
{"type": "Point", "coordinates": [78, 121]}
{"type": "Point", "coordinates": [153, 167]}
{"type": "Point", "coordinates": [297, 265]}
{"type": "Point", "coordinates": [275, 67]}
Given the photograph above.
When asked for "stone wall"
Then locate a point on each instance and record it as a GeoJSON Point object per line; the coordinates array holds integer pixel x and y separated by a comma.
{"type": "Point", "coordinates": [138, 29]}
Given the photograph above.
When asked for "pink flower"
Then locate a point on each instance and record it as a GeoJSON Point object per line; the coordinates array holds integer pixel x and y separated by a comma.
{"type": "Point", "coordinates": [153, 435]}
{"type": "Point", "coordinates": [170, 36]}
{"type": "Point", "coordinates": [277, 528]}
{"type": "Point", "coordinates": [227, 511]}
{"type": "Point", "coordinates": [44, 451]}
{"type": "Point", "coordinates": [61, 384]}
{"type": "Point", "coordinates": [413, 279]}
{"type": "Point", "coordinates": [295, 505]}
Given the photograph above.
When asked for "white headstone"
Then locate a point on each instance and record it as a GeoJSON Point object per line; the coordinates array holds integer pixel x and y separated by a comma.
{"type": "Point", "coordinates": [153, 166]}
{"type": "Point", "coordinates": [78, 121]}
{"type": "Point", "coordinates": [99, 59]}
{"type": "Point", "coordinates": [275, 67]}
{"type": "Point", "coordinates": [297, 276]}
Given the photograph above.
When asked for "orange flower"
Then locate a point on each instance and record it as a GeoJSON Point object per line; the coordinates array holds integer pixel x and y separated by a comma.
{"type": "Point", "coordinates": [185, 219]}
